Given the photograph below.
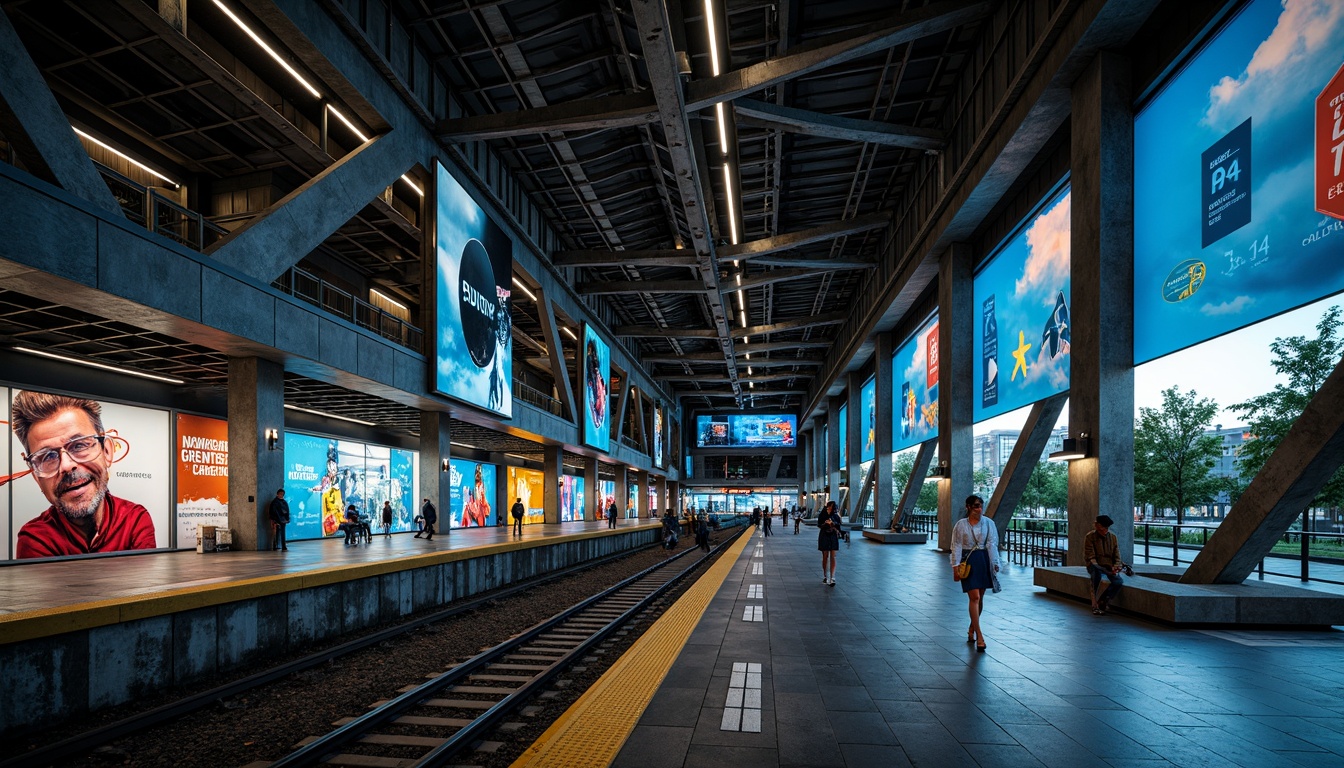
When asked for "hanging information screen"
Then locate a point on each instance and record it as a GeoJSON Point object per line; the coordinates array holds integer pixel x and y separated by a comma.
{"type": "Point", "coordinates": [914, 389]}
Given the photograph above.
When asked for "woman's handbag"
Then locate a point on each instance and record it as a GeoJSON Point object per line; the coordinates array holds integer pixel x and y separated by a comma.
{"type": "Point", "coordinates": [963, 569]}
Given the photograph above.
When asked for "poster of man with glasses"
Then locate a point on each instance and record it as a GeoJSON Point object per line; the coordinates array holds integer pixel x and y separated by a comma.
{"type": "Point", "coordinates": [70, 455]}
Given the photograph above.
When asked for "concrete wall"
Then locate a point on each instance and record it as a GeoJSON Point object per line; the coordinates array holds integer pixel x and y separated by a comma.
{"type": "Point", "coordinates": [54, 678]}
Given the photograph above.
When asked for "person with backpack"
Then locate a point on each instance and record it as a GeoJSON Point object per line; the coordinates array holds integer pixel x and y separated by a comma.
{"type": "Point", "coordinates": [431, 516]}
{"type": "Point", "coordinates": [517, 514]}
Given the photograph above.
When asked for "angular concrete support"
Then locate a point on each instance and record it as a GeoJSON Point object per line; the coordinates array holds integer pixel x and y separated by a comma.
{"type": "Point", "coordinates": [882, 507]}
{"type": "Point", "coordinates": [1297, 470]}
{"type": "Point", "coordinates": [271, 243]}
{"type": "Point", "coordinates": [914, 484]}
{"type": "Point", "coordinates": [550, 327]}
{"type": "Point", "coordinates": [861, 492]}
{"type": "Point", "coordinates": [956, 329]}
{"type": "Point", "coordinates": [435, 449]}
{"type": "Point", "coordinates": [1023, 460]}
{"type": "Point", "coordinates": [256, 404]}
{"type": "Point", "coordinates": [553, 459]}
{"type": "Point", "coordinates": [38, 129]}
{"type": "Point", "coordinates": [1101, 402]}
{"type": "Point", "coordinates": [592, 497]}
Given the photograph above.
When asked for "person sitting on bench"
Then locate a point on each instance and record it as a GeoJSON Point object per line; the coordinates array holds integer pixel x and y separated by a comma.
{"type": "Point", "coordinates": [1101, 551]}
{"type": "Point", "coordinates": [354, 527]}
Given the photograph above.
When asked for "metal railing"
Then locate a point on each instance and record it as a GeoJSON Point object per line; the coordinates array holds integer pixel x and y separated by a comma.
{"type": "Point", "coordinates": [316, 291]}
{"type": "Point", "coordinates": [148, 208]}
{"type": "Point", "coordinates": [534, 397]}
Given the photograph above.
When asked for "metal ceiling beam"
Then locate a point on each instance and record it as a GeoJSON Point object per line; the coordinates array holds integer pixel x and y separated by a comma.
{"type": "Point", "coordinates": [803, 237]}
{"type": "Point", "coordinates": [792, 325]}
{"type": "Point", "coordinates": [744, 379]}
{"type": "Point", "coordinates": [822, 264]}
{"type": "Point", "coordinates": [583, 115]}
{"type": "Point", "coordinates": [775, 276]}
{"type": "Point", "coordinates": [660, 57]}
{"type": "Point", "coordinates": [672, 257]}
{"type": "Point", "coordinates": [810, 123]}
{"type": "Point", "coordinates": [728, 393]}
{"type": "Point", "coordinates": [777, 346]}
{"type": "Point", "coordinates": [643, 286]}
{"type": "Point", "coordinates": [833, 49]}
{"type": "Point", "coordinates": [654, 331]}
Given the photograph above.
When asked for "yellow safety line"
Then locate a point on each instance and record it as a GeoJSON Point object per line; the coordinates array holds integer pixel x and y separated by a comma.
{"type": "Point", "coordinates": [592, 731]}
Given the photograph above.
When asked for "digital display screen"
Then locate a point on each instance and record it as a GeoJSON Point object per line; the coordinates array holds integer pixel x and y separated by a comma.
{"type": "Point", "coordinates": [746, 431]}
{"type": "Point", "coordinates": [1238, 191]}
{"type": "Point", "coordinates": [658, 436]}
{"type": "Point", "coordinates": [1020, 351]}
{"type": "Point", "coordinates": [868, 401]}
{"type": "Point", "coordinates": [474, 337]}
{"type": "Point", "coordinates": [571, 498]}
{"type": "Point", "coordinates": [595, 360]}
{"type": "Point", "coordinates": [325, 476]}
{"type": "Point", "coordinates": [471, 494]}
{"type": "Point", "coordinates": [914, 391]}
{"type": "Point", "coordinates": [844, 436]}
{"type": "Point", "coordinates": [528, 485]}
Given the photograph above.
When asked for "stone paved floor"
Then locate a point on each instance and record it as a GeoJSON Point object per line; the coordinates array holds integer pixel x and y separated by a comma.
{"type": "Point", "coordinates": [876, 672]}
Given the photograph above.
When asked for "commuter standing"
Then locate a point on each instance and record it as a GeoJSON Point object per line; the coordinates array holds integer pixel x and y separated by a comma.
{"type": "Point", "coordinates": [279, 514]}
{"type": "Point", "coordinates": [702, 531]}
{"type": "Point", "coordinates": [976, 536]}
{"type": "Point", "coordinates": [611, 514]}
{"type": "Point", "coordinates": [387, 518]}
{"type": "Point", "coordinates": [1101, 551]}
{"type": "Point", "coordinates": [828, 541]}
{"type": "Point", "coordinates": [517, 514]}
{"type": "Point", "coordinates": [767, 522]}
{"type": "Point", "coordinates": [431, 516]}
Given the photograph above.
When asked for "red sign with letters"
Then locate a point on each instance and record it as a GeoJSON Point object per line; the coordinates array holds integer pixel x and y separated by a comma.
{"type": "Point", "coordinates": [1330, 147]}
{"type": "Point", "coordinates": [931, 357]}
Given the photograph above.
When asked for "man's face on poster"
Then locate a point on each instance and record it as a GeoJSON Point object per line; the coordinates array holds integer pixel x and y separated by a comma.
{"type": "Point", "coordinates": [78, 488]}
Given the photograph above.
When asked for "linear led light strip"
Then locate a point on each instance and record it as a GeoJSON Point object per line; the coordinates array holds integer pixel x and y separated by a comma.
{"type": "Point", "coordinates": [329, 415]}
{"type": "Point", "coordinates": [125, 157]}
{"type": "Point", "coordinates": [103, 366]}
{"type": "Point", "coordinates": [300, 80]}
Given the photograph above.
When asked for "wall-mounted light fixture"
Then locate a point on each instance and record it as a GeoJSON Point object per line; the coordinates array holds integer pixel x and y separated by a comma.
{"type": "Point", "coordinates": [1074, 448]}
{"type": "Point", "coordinates": [445, 465]}
{"type": "Point", "coordinates": [272, 438]}
{"type": "Point", "coordinates": [941, 469]}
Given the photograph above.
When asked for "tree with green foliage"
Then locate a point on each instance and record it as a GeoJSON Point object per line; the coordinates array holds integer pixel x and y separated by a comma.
{"type": "Point", "coordinates": [1304, 364]}
{"type": "Point", "coordinates": [1047, 488]}
{"type": "Point", "coordinates": [1173, 458]}
{"type": "Point", "coordinates": [982, 482]}
{"type": "Point", "coordinates": [900, 475]}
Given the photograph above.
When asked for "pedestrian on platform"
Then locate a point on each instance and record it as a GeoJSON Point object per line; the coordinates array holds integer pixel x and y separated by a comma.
{"type": "Point", "coordinates": [975, 541]}
{"type": "Point", "coordinates": [387, 518]}
{"type": "Point", "coordinates": [669, 531]}
{"type": "Point", "coordinates": [611, 513]}
{"type": "Point", "coordinates": [517, 514]}
{"type": "Point", "coordinates": [1101, 550]}
{"type": "Point", "coordinates": [828, 541]}
{"type": "Point", "coordinates": [279, 514]}
{"type": "Point", "coordinates": [766, 523]}
{"type": "Point", "coordinates": [431, 516]}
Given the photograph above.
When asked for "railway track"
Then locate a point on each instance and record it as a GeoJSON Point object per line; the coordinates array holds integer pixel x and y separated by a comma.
{"type": "Point", "coordinates": [431, 723]}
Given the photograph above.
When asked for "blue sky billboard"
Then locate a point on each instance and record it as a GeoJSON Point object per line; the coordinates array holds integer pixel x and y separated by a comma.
{"type": "Point", "coordinates": [1226, 231]}
{"type": "Point", "coordinates": [658, 436]}
{"type": "Point", "coordinates": [324, 475]}
{"type": "Point", "coordinates": [595, 368]}
{"type": "Point", "coordinates": [914, 389]}
{"type": "Point", "coordinates": [868, 420]}
{"type": "Point", "coordinates": [1022, 296]}
{"type": "Point", "coordinates": [474, 334]}
{"type": "Point", "coordinates": [470, 494]}
{"type": "Point", "coordinates": [744, 430]}
{"type": "Point", "coordinates": [844, 436]}
{"type": "Point", "coordinates": [571, 498]}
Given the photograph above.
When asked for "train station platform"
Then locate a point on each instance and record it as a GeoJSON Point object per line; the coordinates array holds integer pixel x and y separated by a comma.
{"type": "Point", "coordinates": [772, 668]}
{"type": "Point", "coordinates": [176, 617]}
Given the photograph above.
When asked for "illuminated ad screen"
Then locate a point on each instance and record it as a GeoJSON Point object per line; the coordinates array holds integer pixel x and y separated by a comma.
{"type": "Point", "coordinates": [1022, 297]}
{"type": "Point", "coordinates": [474, 338]}
{"type": "Point", "coordinates": [1238, 192]}
{"type": "Point", "coordinates": [202, 475]}
{"type": "Point", "coordinates": [571, 498]}
{"type": "Point", "coordinates": [527, 484]}
{"type": "Point", "coordinates": [130, 468]}
{"type": "Point", "coordinates": [325, 476]}
{"type": "Point", "coordinates": [746, 431]}
{"type": "Point", "coordinates": [844, 436]}
{"type": "Point", "coordinates": [469, 496]}
{"type": "Point", "coordinates": [606, 496]}
{"type": "Point", "coordinates": [868, 409]}
{"type": "Point", "coordinates": [657, 436]}
{"type": "Point", "coordinates": [596, 362]}
{"type": "Point", "coordinates": [914, 391]}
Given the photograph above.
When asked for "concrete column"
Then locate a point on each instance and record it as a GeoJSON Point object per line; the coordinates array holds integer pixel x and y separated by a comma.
{"type": "Point", "coordinates": [854, 437]}
{"type": "Point", "coordinates": [660, 487]}
{"type": "Point", "coordinates": [434, 453]}
{"type": "Point", "coordinates": [956, 329]}
{"type": "Point", "coordinates": [591, 494]}
{"type": "Point", "coordinates": [832, 429]}
{"type": "Point", "coordinates": [804, 465]}
{"type": "Point", "coordinates": [502, 501]}
{"type": "Point", "coordinates": [622, 490]}
{"type": "Point", "coordinates": [553, 459]}
{"type": "Point", "coordinates": [1101, 401]}
{"type": "Point", "coordinates": [882, 501]}
{"type": "Point", "coordinates": [642, 493]}
{"type": "Point", "coordinates": [256, 404]}
{"type": "Point", "coordinates": [674, 496]}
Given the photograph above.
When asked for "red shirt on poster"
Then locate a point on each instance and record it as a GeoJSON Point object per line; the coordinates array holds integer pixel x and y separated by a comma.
{"type": "Point", "coordinates": [126, 525]}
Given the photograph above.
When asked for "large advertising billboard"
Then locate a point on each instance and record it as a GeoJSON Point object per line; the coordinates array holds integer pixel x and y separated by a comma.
{"type": "Point", "coordinates": [470, 494]}
{"type": "Point", "coordinates": [571, 498]}
{"type": "Point", "coordinates": [606, 496]}
{"type": "Point", "coordinates": [746, 431]}
{"type": "Point", "coordinates": [1023, 298]}
{"type": "Point", "coordinates": [1228, 167]}
{"type": "Point", "coordinates": [202, 475]}
{"type": "Point", "coordinates": [658, 436]}
{"type": "Point", "coordinates": [595, 364]}
{"type": "Point", "coordinates": [324, 476]}
{"type": "Point", "coordinates": [474, 335]}
{"type": "Point", "coordinates": [914, 390]}
{"type": "Point", "coordinates": [868, 409]}
{"type": "Point", "coordinates": [843, 416]}
{"type": "Point", "coordinates": [116, 480]}
{"type": "Point", "coordinates": [528, 485]}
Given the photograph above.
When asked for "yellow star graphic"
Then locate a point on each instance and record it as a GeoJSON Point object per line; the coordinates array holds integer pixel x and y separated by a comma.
{"type": "Point", "coordinates": [1020, 356]}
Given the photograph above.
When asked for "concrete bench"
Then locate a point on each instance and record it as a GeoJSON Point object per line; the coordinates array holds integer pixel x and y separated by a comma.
{"type": "Point", "coordinates": [1154, 592]}
{"type": "Point", "coordinates": [884, 536]}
